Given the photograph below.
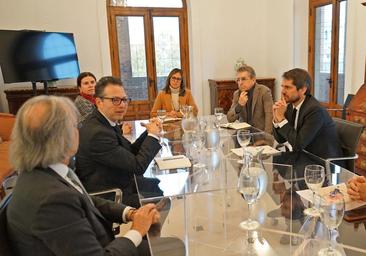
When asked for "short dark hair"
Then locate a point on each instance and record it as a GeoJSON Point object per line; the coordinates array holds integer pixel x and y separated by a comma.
{"type": "Point", "coordinates": [83, 75]}
{"type": "Point", "coordinates": [246, 68]}
{"type": "Point", "coordinates": [182, 90]}
{"type": "Point", "coordinates": [300, 78]}
{"type": "Point", "coordinates": [104, 82]}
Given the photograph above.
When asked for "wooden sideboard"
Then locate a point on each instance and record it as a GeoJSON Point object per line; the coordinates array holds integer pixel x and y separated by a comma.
{"type": "Point", "coordinates": [221, 91]}
{"type": "Point", "coordinates": [356, 112]}
{"type": "Point", "coordinates": [16, 97]}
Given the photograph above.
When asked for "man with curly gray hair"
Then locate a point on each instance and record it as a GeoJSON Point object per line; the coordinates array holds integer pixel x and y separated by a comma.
{"type": "Point", "coordinates": [50, 212]}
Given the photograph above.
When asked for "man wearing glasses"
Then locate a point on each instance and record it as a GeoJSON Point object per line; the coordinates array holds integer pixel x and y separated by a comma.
{"type": "Point", "coordinates": [252, 102]}
{"type": "Point", "coordinates": [105, 158]}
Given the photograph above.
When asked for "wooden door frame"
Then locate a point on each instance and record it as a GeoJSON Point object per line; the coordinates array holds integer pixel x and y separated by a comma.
{"type": "Point", "coordinates": [149, 37]}
{"type": "Point", "coordinates": [148, 13]}
{"type": "Point", "coordinates": [313, 4]}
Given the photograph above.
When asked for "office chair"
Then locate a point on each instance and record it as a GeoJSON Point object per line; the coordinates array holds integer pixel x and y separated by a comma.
{"type": "Point", "coordinates": [349, 134]}
{"type": "Point", "coordinates": [5, 249]}
{"type": "Point", "coordinates": [114, 195]}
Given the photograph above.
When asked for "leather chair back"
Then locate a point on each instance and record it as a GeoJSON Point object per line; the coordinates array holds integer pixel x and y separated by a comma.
{"type": "Point", "coordinates": [5, 249]}
{"type": "Point", "coordinates": [349, 134]}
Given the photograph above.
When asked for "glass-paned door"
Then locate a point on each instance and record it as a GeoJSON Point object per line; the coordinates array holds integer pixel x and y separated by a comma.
{"type": "Point", "coordinates": [327, 32]}
{"type": "Point", "coordinates": [323, 47]}
{"type": "Point", "coordinates": [146, 44]}
{"type": "Point", "coordinates": [132, 52]}
{"type": "Point", "coordinates": [167, 47]}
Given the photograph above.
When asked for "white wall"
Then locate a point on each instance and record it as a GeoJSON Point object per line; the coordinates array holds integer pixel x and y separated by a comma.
{"type": "Point", "coordinates": [280, 40]}
{"type": "Point", "coordinates": [220, 33]}
{"type": "Point", "coordinates": [85, 18]}
{"type": "Point", "coordinates": [355, 46]}
{"type": "Point", "coordinates": [301, 28]}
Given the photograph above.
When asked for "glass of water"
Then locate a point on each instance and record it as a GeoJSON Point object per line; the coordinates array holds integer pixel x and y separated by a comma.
{"type": "Point", "coordinates": [244, 138]}
{"type": "Point", "coordinates": [249, 187]}
{"type": "Point", "coordinates": [161, 114]}
{"type": "Point", "coordinates": [332, 208]}
{"type": "Point", "coordinates": [219, 114]}
{"type": "Point", "coordinates": [314, 178]}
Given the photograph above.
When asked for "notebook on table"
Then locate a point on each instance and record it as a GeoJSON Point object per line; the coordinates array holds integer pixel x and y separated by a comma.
{"type": "Point", "coordinates": [254, 150]}
{"type": "Point", "coordinates": [173, 162]}
{"type": "Point", "coordinates": [235, 125]}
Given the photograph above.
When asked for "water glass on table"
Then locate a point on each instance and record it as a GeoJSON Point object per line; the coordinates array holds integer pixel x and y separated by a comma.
{"type": "Point", "coordinates": [332, 207]}
{"type": "Point", "coordinates": [219, 114]}
{"type": "Point", "coordinates": [314, 178]}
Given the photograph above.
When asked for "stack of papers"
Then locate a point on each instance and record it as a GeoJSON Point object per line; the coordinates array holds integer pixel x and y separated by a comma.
{"type": "Point", "coordinates": [172, 119]}
{"type": "Point", "coordinates": [235, 125]}
{"type": "Point", "coordinates": [307, 194]}
{"type": "Point", "coordinates": [173, 162]}
{"type": "Point", "coordinates": [267, 150]}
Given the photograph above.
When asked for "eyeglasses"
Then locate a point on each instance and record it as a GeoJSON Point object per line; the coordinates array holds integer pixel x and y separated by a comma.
{"type": "Point", "coordinates": [117, 100]}
{"type": "Point", "coordinates": [176, 78]}
{"type": "Point", "coordinates": [242, 79]}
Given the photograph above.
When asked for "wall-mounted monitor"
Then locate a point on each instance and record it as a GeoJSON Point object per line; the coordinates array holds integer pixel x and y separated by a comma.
{"type": "Point", "coordinates": [27, 55]}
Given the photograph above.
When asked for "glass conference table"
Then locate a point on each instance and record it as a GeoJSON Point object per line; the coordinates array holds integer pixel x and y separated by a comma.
{"type": "Point", "coordinates": [205, 209]}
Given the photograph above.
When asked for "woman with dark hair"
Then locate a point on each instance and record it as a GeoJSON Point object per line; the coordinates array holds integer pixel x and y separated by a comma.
{"type": "Point", "coordinates": [85, 102]}
{"type": "Point", "coordinates": [173, 96]}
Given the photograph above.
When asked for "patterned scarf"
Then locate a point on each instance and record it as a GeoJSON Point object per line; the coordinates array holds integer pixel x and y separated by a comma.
{"type": "Point", "coordinates": [88, 97]}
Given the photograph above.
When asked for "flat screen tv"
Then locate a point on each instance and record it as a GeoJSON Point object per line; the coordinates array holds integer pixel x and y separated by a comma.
{"type": "Point", "coordinates": [37, 56]}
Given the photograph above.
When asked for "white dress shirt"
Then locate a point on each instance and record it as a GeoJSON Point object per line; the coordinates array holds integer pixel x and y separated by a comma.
{"type": "Point", "coordinates": [285, 121]}
{"type": "Point", "coordinates": [113, 124]}
{"type": "Point", "coordinates": [62, 170]}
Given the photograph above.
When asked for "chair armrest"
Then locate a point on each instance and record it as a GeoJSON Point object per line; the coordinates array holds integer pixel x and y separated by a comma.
{"type": "Point", "coordinates": [329, 160]}
{"type": "Point", "coordinates": [342, 158]}
{"type": "Point", "coordinates": [117, 191]}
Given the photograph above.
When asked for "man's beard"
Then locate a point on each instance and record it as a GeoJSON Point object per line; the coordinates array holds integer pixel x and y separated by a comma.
{"type": "Point", "coordinates": [293, 99]}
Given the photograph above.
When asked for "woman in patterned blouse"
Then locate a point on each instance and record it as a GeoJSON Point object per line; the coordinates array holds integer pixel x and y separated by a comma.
{"type": "Point", "coordinates": [85, 102]}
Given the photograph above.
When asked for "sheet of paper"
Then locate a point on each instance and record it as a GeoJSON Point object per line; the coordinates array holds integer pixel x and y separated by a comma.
{"type": "Point", "coordinates": [173, 162]}
{"type": "Point", "coordinates": [172, 119]}
{"type": "Point", "coordinates": [267, 150]}
{"type": "Point", "coordinates": [236, 125]}
{"type": "Point", "coordinates": [307, 194]}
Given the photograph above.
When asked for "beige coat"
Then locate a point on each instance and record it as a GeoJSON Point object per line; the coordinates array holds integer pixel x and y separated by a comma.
{"type": "Point", "coordinates": [164, 101]}
{"type": "Point", "coordinates": [261, 109]}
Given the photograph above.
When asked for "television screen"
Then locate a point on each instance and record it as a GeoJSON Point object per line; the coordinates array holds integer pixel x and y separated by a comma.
{"type": "Point", "coordinates": [37, 56]}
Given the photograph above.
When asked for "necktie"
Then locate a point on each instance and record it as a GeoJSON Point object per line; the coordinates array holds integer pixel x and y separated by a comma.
{"type": "Point", "coordinates": [117, 129]}
{"type": "Point", "coordinates": [75, 180]}
{"type": "Point", "coordinates": [293, 117]}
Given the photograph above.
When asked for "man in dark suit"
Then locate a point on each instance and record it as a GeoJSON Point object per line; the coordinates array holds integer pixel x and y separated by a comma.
{"type": "Point", "coordinates": [50, 212]}
{"type": "Point", "coordinates": [252, 102]}
{"type": "Point", "coordinates": [300, 121]}
{"type": "Point", "coordinates": [105, 158]}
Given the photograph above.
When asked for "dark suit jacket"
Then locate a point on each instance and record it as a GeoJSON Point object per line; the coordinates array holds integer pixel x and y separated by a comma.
{"type": "Point", "coordinates": [261, 108]}
{"type": "Point", "coordinates": [106, 159]}
{"type": "Point", "coordinates": [47, 216]}
{"type": "Point", "coordinates": [316, 131]}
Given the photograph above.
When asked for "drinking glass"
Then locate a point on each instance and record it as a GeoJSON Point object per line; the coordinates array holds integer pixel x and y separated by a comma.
{"type": "Point", "coordinates": [219, 114]}
{"type": "Point", "coordinates": [183, 110]}
{"type": "Point", "coordinates": [331, 213]}
{"type": "Point", "coordinates": [243, 137]}
{"type": "Point", "coordinates": [314, 178]}
{"type": "Point", "coordinates": [161, 114]}
{"type": "Point", "coordinates": [249, 187]}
